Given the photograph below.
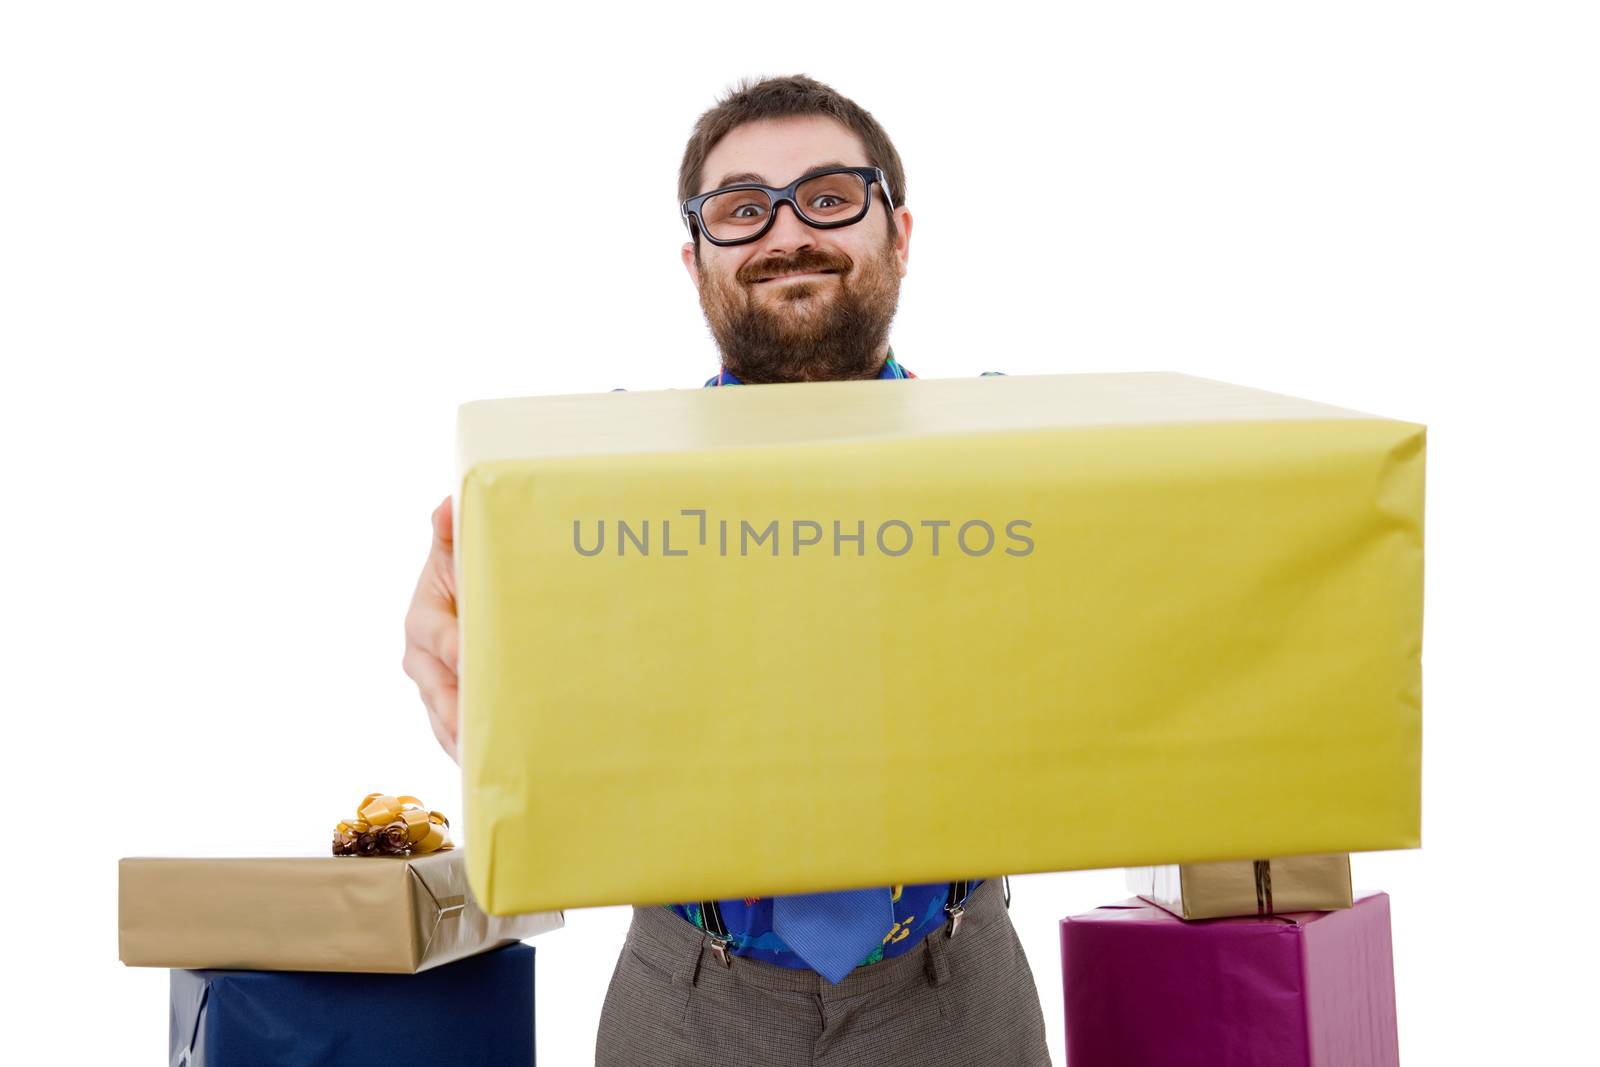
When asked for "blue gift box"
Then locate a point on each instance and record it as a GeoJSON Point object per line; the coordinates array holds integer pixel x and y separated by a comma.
{"type": "Point", "coordinates": [475, 1011]}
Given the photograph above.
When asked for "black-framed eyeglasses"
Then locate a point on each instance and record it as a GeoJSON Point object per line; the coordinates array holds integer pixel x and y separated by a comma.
{"type": "Point", "coordinates": [826, 200]}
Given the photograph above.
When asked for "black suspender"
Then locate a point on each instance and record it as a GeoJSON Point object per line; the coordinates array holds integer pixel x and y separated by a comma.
{"type": "Point", "coordinates": [955, 906]}
{"type": "Point", "coordinates": [711, 915]}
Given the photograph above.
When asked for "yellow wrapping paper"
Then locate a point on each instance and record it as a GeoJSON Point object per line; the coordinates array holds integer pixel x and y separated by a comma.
{"type": "Point", "coordinates": [1192, 632]}
{"type": "Point", "coordinates": [1244, 887]}
{"type": "Point", "coordinates": [395, 914]}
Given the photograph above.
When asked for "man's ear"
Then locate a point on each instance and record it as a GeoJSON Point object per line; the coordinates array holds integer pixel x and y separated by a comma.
{"type": "Point", "coordinates": [689, 264]}
{"type": "Point", "coordinates": [902, 238]}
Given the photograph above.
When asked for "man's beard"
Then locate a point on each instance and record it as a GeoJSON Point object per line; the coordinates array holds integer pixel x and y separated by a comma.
{"type": "Point", "coordinates": [811, 335]}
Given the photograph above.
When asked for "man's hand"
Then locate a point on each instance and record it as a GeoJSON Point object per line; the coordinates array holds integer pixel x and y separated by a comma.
{"type": "Point", "coordinates": [432, 636]}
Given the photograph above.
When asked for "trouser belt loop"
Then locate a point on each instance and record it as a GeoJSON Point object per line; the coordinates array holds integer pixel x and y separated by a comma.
{"type": "Point", "coordinates": [694, 972]}
{"type": "Point", "coordinates": [935, 964]}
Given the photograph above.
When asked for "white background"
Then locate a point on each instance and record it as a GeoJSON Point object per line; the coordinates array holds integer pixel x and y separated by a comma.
{"type": "Point", "coordinates": [252, 256]}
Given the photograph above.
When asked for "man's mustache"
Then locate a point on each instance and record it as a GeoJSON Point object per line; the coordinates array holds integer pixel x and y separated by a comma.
{"type": "Point", "coordinates": [803, 262]}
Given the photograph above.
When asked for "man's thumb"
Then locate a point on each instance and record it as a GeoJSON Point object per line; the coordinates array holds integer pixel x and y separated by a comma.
{"type": "Point", "coordinates": [443, 534]}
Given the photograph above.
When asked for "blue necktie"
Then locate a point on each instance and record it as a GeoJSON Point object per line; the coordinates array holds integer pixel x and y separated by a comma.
{"type": "Point", "coordinates": [833, 931]}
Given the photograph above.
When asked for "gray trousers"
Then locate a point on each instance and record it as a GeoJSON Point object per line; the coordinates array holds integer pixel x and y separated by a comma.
{"type": "Point", "coordinates": [967, 1000]}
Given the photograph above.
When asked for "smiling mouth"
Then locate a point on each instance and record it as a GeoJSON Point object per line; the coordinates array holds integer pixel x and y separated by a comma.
{"type": "Point", "coordinates": [797, 276]}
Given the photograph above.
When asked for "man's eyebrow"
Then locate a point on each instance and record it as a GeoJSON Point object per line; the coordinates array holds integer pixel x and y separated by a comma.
{"type": "Point", "coordinates": [745, 176]}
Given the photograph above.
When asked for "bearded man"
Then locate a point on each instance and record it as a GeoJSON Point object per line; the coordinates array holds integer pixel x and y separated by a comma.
{"type": "Point", "coordinates": [794, 199]}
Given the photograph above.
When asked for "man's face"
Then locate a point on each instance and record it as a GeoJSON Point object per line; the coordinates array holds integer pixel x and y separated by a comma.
{"type": "Point", "coordinates": [799, 304]}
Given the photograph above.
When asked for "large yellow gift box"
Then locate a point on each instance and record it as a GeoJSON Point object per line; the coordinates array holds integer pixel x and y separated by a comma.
{"type": "Point", "coordinates": [816, 636]}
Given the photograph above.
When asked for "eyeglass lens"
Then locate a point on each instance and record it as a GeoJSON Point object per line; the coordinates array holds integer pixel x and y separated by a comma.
{"type": "Point", "coordinates": [826, 199]}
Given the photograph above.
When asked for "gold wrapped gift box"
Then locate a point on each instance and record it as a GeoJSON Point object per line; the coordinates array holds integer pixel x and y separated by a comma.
{"type": "Point", "coordinates": [1246, 887]}
{"type": "Point", "coordinates": [373, 913]}
{"type": "Point", "coordinates": [805, 637]}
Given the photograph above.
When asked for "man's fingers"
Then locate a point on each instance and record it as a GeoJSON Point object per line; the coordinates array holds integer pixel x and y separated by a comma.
{"type": "Point", "coordinates": [444, 729]}
{"type": "Point", "coordinates": [437, 684]}
{"type": "Point", "coordinates": [438, 640]}
{"type": "Point", "coordinates": [446, 740]}
{"type": "Point", "coordinates": [424, 668]}
{"type": "Point", "coordinates": [441, 568]}
{"type": "Point", "coordinates": [447, 646]}
{"type": "Point", "coordinates": [433, 629]}
{"type": "Point", "coordinates": [443, 526]}
{"type": "Point", "coordinates": [433, 635]}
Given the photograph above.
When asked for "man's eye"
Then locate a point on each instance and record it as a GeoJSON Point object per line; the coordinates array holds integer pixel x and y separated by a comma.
{"type": "Point", "coordinates": [747, 211]}
{"type": "Point", "coordinates": [826, 201]}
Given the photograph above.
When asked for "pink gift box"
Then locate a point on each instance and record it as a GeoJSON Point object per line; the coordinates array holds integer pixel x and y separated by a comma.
{"type": "Point", "coordinates": [1144, 988]}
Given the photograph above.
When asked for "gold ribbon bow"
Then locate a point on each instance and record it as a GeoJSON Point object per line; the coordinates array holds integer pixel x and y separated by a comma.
{"type": "Point", "coordinates": [391, 826]}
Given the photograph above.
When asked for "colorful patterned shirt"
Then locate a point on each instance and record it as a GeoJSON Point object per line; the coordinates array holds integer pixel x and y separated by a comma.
{"type": "Point", "coordinates": [918, 909]}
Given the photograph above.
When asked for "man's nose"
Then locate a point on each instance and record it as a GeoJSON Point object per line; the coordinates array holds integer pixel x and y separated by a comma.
{"type": "Point", "coordinates": [789, 233]}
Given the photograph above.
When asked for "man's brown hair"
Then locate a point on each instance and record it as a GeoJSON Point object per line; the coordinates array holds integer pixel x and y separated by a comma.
{"type": "Point", "coordinates": [793, 96]}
